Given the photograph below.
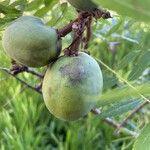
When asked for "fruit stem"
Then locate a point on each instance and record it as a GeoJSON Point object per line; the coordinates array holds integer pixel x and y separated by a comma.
{"type": "Point", "coordinates": [88, 32]}
{"type": "Point", "coordinates": [73, 49]}
{"type": "Point", "coordinates": [97, 13]}
{"type": "Point", "coordinates": [78, 26]}
{"type": "Point", "coordinates": [62, 32]}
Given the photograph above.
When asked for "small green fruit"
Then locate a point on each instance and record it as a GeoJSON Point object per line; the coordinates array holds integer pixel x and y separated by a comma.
{"type": "Point", "coordinates": [72, 86]}
{"type": "Point", "coordinates": [28, 41]}
{"type": "Point", "coordinates": [83, 5]}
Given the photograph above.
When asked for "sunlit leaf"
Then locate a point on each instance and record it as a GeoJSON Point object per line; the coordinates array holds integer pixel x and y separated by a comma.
{"type": "Point", "coordinates": [143, 141]}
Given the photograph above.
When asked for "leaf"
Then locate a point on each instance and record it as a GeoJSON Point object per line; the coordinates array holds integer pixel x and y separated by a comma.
{"type": "Point", "coordinates": [63, 6]}
{"type": "Point", "coordinates": [109, 80]}
{"type": "Point", "coordinates": [18, 2]}
{"type": "Point", "coordinates": [34, 5]}
{"type": "Point", "coordinates": [6, 2]}
{"type": "Point", "coordinates": [120, 108]}
{"type": "Point", "coordinates": [8, 10]}
{"type": "Point", "coordinates": [140, 66]}
{"type": "Point", "coordinates": [6, 20]}
{"type": "Point", "coordinates": [47, 2]}
{"type": "Point", "coordinates": [57, 14]}
{"type": "Point", "coordinates": [117, 95]}
{"type": "Point", "coordinates": [130, 57]}
{"type": "Point", "coordinates": [114, 28]}
{"type": "Point", "coordinates": [143, 141]}
{"type": "Point", "coordinates": [137, 9]}
{"type": "Point", "coordinates": [42, 11]}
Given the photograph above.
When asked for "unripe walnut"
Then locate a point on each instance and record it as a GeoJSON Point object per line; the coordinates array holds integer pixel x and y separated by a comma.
{"type": "Point", "coordinates": [28, 41]}
{"type": "Point", "coordinates": [72, 86]}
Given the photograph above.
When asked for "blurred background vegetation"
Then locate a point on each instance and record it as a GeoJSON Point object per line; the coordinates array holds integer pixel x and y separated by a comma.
{"type": "Point", "coordinates": [122, 46]}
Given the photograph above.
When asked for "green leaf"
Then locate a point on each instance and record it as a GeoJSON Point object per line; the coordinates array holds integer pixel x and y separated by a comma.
{"type": "Point", "coordinates": [8, 18]}
{"type": "Point", "coordinates": [44, 10]}
{"type": "Point", "coordinates": [57, 14]}
{"type": "Point", "coordinates": [140, 66]}
{"type": "Point", "coordinates": [63, 6]}
{"type": "Point", "coordinates": [119, 108]}
{"type": "Point", "coordinates": [19, 3]}
{"type": "Point", "coordinates": [6, 2]}
{"type": "Point", "coordinates": [143, 141]}
{"type": "Point", "coordinates": [47, 2]}
{"type": "Point", "coordinates": [109, 81]}
{"type": "Point", "coordinates": [137, 9]}
{"type": "Point", "coordinates": [41, 12]}
{"type": "Point", "coordinates": [114, 28]}
{"type": "Point", "coordinates": [34, 5]}
{"type": "Point", "coordinates": [117, 95]}
{"type": "Point", "coordinates": [129, 58]}
{"type": "Point", "coordinates": [8, 10]}
{"type": "Point", "coordinates": [5, 20]}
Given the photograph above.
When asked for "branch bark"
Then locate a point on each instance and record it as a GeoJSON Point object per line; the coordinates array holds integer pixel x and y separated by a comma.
{"type": "Point", "coordinates": [125, 120]}
{"type": "Point", "coordinates": [114, 124]}
{"type": "Point", "coordinates": [21, 81]}
{"type": "Point", "coordinates": [17, 68]}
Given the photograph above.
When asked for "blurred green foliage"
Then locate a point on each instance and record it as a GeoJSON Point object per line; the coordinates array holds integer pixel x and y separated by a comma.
{"type": "Point", "coordinates": [121, 43]}
{"type": "Point", "coordinates": [138, 9]}
{"type": "Point", "coordinates": [143, 144]}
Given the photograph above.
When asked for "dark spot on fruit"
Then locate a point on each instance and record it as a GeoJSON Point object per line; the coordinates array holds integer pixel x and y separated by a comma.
{"type": "Point", "coordinates": [75, 73]}
{"type": "Point", "coordinates": [49, 91]}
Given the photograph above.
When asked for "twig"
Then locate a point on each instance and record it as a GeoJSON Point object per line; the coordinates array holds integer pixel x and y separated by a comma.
{"type": "Point", "coordinates": [66, 29]}
{"type": "Point", "coordinates": [39, 86]}
{"type": "Point", "coordinates": [29, 70]}
{"type": "Point", "coordinates": [20, 80]}
{"type": "Point", "coordinates": [88, 32]}
{"type": "Point", "coordinates": [122, 130]}
{"type": "Point", "coordinates": [96, 111]}
{"type": "Point", "coordinates": [111, 122]}
{"type": "Point", "coordinates": [17, 68]}
{"type": "Point", "coordinates": [78, 28]}
{"type": "Point", "coordinates": [124, 122]}
{"type": "Point", "coordinates": [99, 13]}
{"type": "Point", "coordinates": [114, 124]}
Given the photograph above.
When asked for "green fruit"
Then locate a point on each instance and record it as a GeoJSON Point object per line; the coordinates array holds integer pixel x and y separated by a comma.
{"type": "Point", "coordinates": [28, 41]}
{"type": "Point", "coordinates": [83, 5]}
{"type": "Point", "coordinates": [72, 86]}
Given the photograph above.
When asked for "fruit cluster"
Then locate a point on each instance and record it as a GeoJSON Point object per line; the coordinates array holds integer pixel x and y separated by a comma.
{"type": "Point", "coordinates": [72, 83]}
